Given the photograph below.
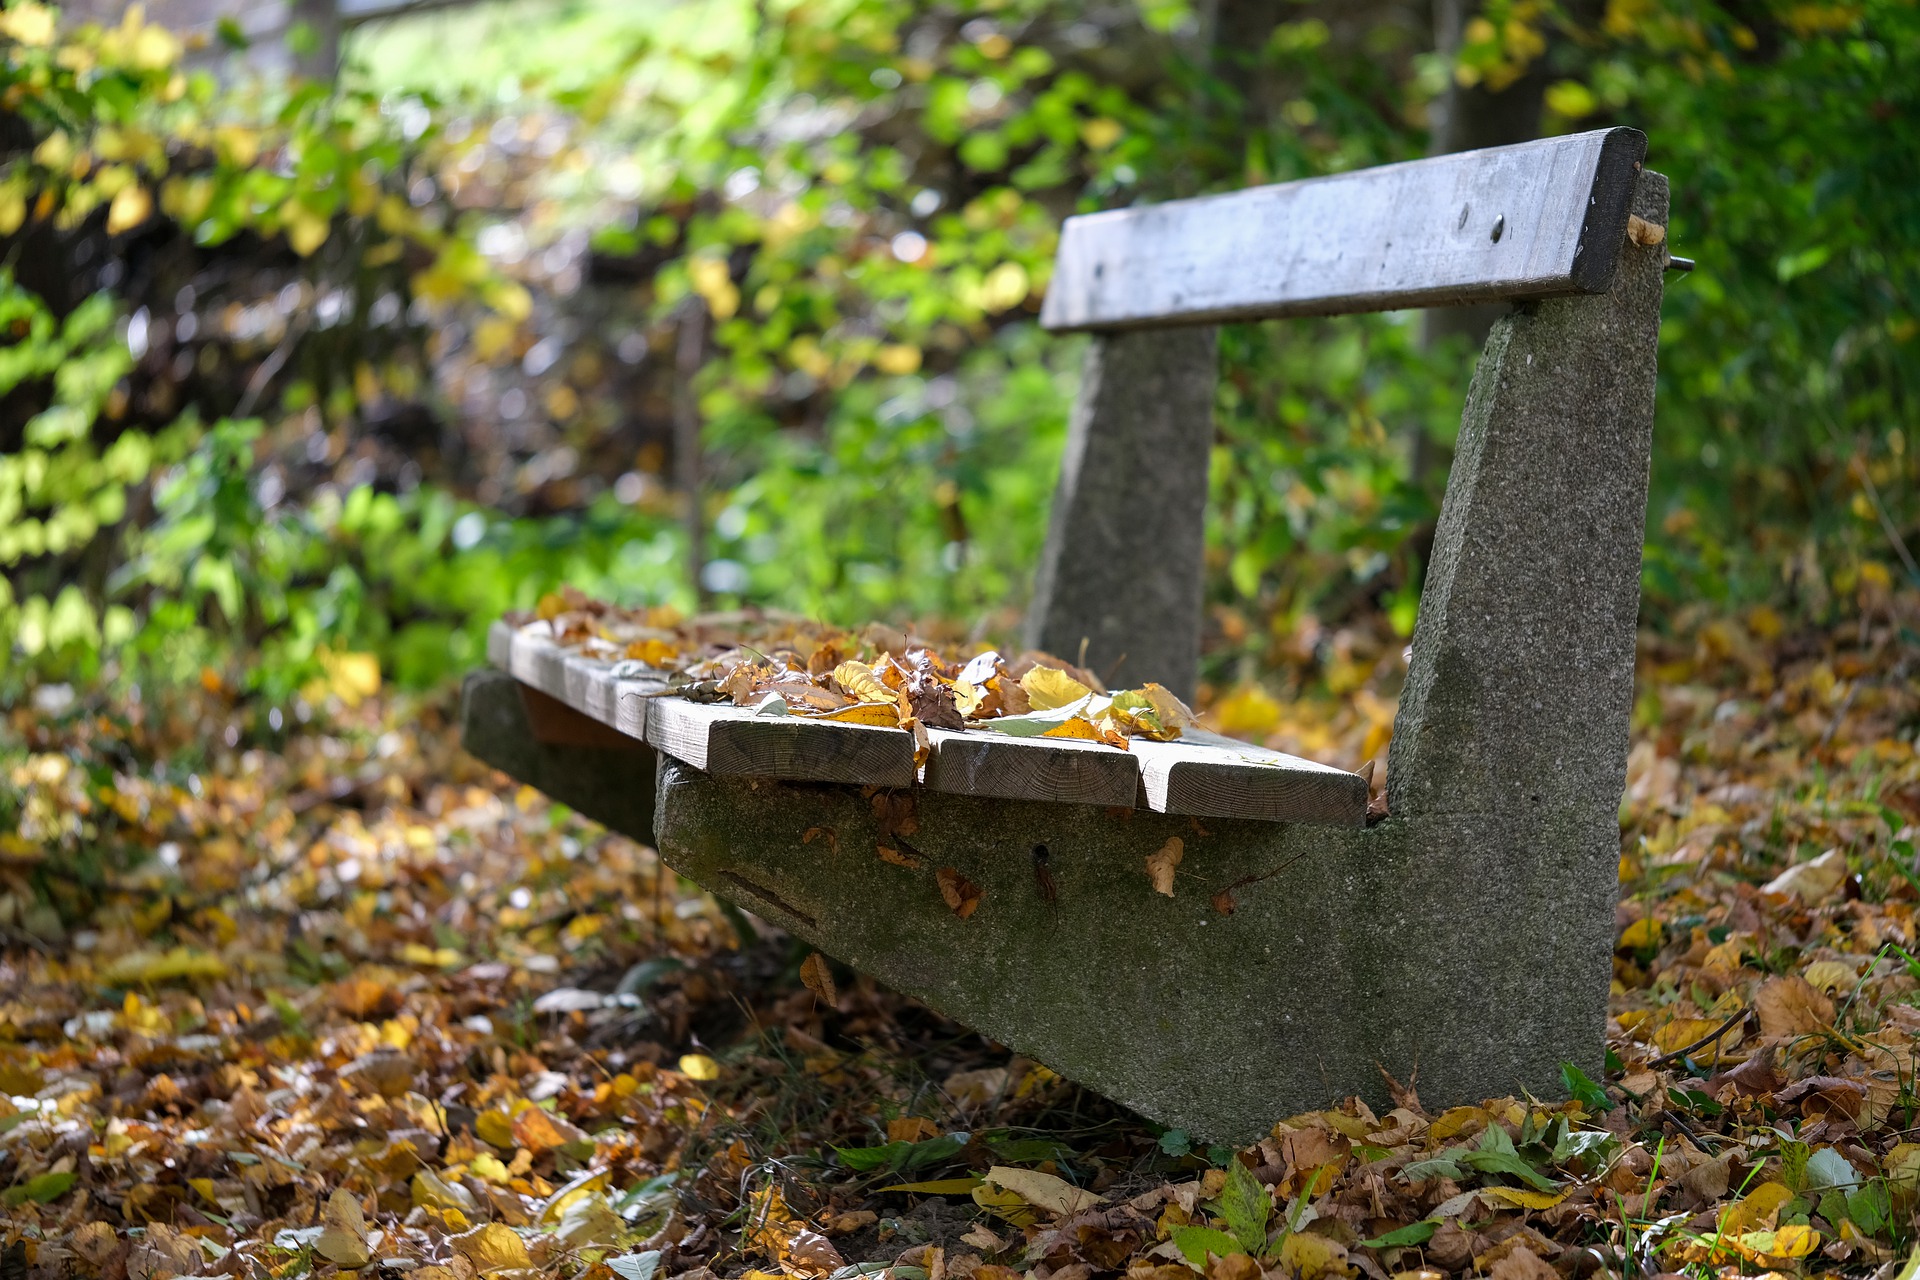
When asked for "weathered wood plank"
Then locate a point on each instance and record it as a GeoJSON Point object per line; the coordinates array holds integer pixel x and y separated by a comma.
{"type": "Point", "coordinates": [1209, 776]}
{"type": "Point", "coordinates": [733, 740]}
{"type": "Point", "coordinates": [1064, 771]}
{"type": "Point", "coordinates": [586, 684]}
{"type": "Point", "coordinates": [1536, 220]}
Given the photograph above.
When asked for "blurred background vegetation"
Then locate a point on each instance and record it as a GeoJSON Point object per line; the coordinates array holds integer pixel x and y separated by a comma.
{"type": "Point", "coordinates": [306, 379]}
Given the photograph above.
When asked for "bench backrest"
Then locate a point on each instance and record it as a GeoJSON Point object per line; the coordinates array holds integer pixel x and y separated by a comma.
{"type": "Point", "coordinates": [1536, 220]}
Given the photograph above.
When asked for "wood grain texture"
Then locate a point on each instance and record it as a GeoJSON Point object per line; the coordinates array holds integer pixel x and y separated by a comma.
{"type": "Point", "coordinates": [587, 685]}
{"type": "Point", "coordinates": [1064, 771]}
{"type": "Point", "coordinates": [1210, 776]}
{"type": "Point", "coordinates": [1417, 234]}
{"type": "Point", "coordinates": [732, 740]}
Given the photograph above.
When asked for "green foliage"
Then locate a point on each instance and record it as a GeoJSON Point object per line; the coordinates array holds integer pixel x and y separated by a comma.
{"type": "Point", "coordinates": [861, 201]}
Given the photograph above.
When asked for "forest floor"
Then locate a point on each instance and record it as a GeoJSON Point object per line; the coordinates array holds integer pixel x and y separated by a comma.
{"type": "Point", "coordinates": [339, 997]}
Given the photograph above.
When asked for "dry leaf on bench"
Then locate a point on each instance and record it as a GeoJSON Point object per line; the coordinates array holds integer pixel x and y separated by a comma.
{"type": "Point", "coordinates": [1161, 863]}
{"type": "Point", "coordinates": [962, 895]}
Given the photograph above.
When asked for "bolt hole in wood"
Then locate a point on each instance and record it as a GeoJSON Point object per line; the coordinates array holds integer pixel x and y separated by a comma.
{"type": "Point", "coordinates": [1499, 227]}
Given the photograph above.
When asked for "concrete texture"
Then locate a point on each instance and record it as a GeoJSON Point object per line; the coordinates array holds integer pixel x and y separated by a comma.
{"type": "Point", "coordinates": [1122, 570]}
{"type": "Point", "coordinates": [612, 785]}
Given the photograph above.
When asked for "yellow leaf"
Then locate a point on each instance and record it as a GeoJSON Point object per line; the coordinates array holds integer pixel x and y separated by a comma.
{"type": "Point", "coordinates": [1005, 1204]}
{"type": "Point", "coordinates": [343, 1234]}
{"type": "Point", "coordinates": [489, 1167]}
{"type": "Point", "coordinates": [698, 1066]}
{"type": "Point", "coordinates": [1309, 1256]}
{"type": "Point", "coordinates": [941, 1187]}
{"type": "Point", "coordinates": [493, 1248]}
{"type": "Point", "coordinates": [1074, 727]}
{"type": "Point", "coordinates": [429, 1191]}
{"type": "Point", "coordinates": [1757, 1211]}
{"type": "Point", "coordinates": [306, 230]}
{"type": "Point", "coordinates": [1641, 934]}
{"type": "Point", "coordinates": [1831, 975]}
{"type": "Point", "coordinates": [884, 714]}
{"type": "Point", "coordinates": [495, 1129]}
{"type": "Point", "coordinates": [1680, 1032]}
{"type": "Point", "coordinates": [1100, 133]}
{"type": "Point", "coordinates": [129, 209]}
{"type": "Point", "coordinates": [1521, 1198]}
{"type": "Point", "coordinates": [1162, 861]}
{"type": "Point", "coordinates": [897, 358]}
{"type": "Point", "coordinates": [1048, 688]}
{"type": "Point", "coordinates": [858, 680]}
{"type": "Point", "coordinates": [1055, 1195]}
{"type": "Point", "coordinates": [163, 966]}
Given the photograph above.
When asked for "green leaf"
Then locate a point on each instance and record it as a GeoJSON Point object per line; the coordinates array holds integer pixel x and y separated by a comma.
{"type": "Point", "coordinates": [900, 1155]}
{"type": "Point", "coordinates": [1400, 1237]}
{"type": "Point", "coordinates": [1495, 1154]}
{"type": "Point", "coordinates": [1245, 1204]}
{"type": "Point", "coordinates": [1583, 1090]}
{"type": "Point", "coordinates": [1195, 1243]}
{"type": "Point", "coordinates": [1440, 1166]}
{"type": "Point", "coordinates": [1175, 1142]}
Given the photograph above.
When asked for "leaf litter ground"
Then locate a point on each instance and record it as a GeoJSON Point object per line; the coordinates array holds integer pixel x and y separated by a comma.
{"type": "Point", "coordinates": [343, 1000]}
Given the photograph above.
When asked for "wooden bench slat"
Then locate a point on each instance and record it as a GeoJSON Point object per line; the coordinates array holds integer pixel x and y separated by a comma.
{"type": "Point", "coordinates": [1210, 776]}
{"type": "Point", "coordinates": [1064, 771]}
{"type": "Point", "coordinates": [1417, 234]}
{"type": "Point", "coordinates": [733, 740]}
{"type": "Point", "coordinates": [587, 685]}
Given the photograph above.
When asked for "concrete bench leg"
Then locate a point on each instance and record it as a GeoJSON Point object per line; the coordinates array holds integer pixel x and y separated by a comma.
{"type": "Point", "coordinates": [577, 761]}
{"type": "Point", "coordinates": [1122, 569]}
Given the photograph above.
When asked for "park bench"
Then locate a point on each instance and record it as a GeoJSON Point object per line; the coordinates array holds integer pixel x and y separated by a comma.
{"type": "Point", "coordinates": [1303, 953]}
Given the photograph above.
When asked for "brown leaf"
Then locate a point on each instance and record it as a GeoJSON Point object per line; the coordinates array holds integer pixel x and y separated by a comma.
{"type": "Point", "coordinates": [1522, 1263]}
{"type": "Point", "coordinates": [540, 1131]}
{"type": "Point", "coordinates": [387, 1072]}
{"type": "Point", "coordinates": [961, 895]}
{"type": "Point", "coordinates": [889, 854]}
{"type": "Point", "coordinates": [1234, 1266]}
{"type": "Point", "coordinates": [1791, 1006]}
{"type": "Point", "coordinates": [811, 1254]}
{"type": "Point", "coordinates": [911, 1129]}
{"type": "Point", "coordinates": [1161, 863]}
{"type": "Point", "coordinates": [819, 980]}
{"type": "Point", "coordinates": [1223, 902]}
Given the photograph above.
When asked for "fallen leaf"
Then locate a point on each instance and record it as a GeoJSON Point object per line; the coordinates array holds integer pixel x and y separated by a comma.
{"type": "Point", "coordinates": [1791, 1006]}
{"type": "Point", "coordinates": [1048, 688]}
{"type": "Point", "coordinates": [1161, 863]}
{"type": "Point", "coordinates": [1811, 882]}
{"type": "Point", "coordinates": [343, 1232]}
{"type": "Point", "coordinates": [1522, 1263]}
{"type": "Point", "coordinates": [698, 1066]}
{"type": "Point", "coordinates": [961, 895]}
{"type": "Point", "coordinates": [819, 980]}
{"type": "Point", "coordinates": [1043, 1190]}
{"type": "Point", "coordinates": [493, 1247]}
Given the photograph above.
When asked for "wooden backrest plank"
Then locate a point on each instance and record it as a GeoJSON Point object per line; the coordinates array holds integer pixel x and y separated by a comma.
{"type": "Point", "coordinates": [1060, 770]}
{"type": "Point", "coordinates": [1535, 220]}
{"type": "Point", "coordinates": [1209, 776]}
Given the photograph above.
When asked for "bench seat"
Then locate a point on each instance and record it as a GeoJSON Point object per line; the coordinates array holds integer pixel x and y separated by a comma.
{"type": "Point", "coordinates": [1200, 775]}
